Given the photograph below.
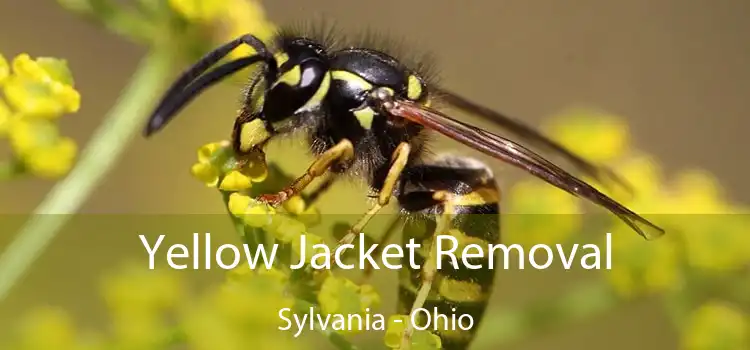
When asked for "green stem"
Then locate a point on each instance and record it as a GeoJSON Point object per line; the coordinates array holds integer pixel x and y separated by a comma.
{"type": "Point", "coordinates": [102, 152]}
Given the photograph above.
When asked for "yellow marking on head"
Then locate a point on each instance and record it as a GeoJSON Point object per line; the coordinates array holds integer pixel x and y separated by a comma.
{"type": "Point", "coordinates": [252, 134]}
{"type": "Point", "coordinates": [461, 291]}
{"type": "Point", "coordinates": [365, 117]}
{"type": "Point", "coordinates": [281, 58]}
{"type": "Point", "coordinates": [414, 88]}
{"type": "Point", "coordinates": [291, 77]}
{"type": "Point", "coordinates": [351, 78]}
{"type": "Point", "coordinates": [320, 94]}
{"type": "Point", "coordinates": [484, 195]}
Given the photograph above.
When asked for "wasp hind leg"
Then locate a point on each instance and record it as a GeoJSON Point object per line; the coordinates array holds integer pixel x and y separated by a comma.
{"type": "Point", "coordinates": [342, 152]}
{"type": "Point", "coordinates": [456, 197]}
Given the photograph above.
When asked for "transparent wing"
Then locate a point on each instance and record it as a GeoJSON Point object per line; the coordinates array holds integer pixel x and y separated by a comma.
{"type": "Point", "coordinates": [519, 156]}
{"type": "Point", "coordinates": [523, 132]}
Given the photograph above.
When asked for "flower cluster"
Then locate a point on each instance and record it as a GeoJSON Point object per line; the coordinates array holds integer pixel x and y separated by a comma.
{"type": "Point", "coordinates": [706, 233]}
{"type": "Point", "coordinates": [717, 325]}
{"type": "Point", "coordinates": [37, 92]}
{"type": "Point", "coordinates": [217, 167]}
{"type": "Point", "coordinates": [152, 309]}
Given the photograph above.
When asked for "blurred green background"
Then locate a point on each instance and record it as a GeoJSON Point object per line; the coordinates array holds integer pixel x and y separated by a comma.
{"type": "Point", "coordinates": [675, 70]}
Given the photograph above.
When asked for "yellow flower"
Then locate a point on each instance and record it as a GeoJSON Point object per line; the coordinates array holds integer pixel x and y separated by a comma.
{"type": "Point", "coordinates": [199, 10]}
{"type": "Point", "coordinates": [713, 233]}
{"type": "Point", "coordinates": [339, 295]}
{"type": "Point", "coordinates": [420, 340]}
{"type": "Point", "coordinates": [597, 136]}
{"type": "Point", "coordinates": [41, 88]}
{"type": "Point", "coordinates": [44, 69]}
{"type": "Point", "coordinates": [244, 17]}
{"type": "Point", "coordinates": [38, 144]}
{"type": "Point", "coordinates": [644, 175]}
{"type": "Point", "coordinates": [206, 173]}
{"type": "Point", "coordinates": [294, 205]}
{"type": "Point", "coordinates": [53, 161]}
{"type": "Point", "coordinates": [697, 192]}
{"type": "Point", "coordinates": [252, 212]}
{"type": "Point", "coordinates": [235, 181]}
{"type": "Point", "coordinates": [48, 328]}
{"type": "Point", "coordinates": [716, 325]}
{"type": "Point", "coordinates": [241, 312]}
{"type": "Point", "coordinates": [539, 213]}
{"type": "Point", "coordinates": [215, 160]}
{"type": "Point", "coordinates": [640, 266]}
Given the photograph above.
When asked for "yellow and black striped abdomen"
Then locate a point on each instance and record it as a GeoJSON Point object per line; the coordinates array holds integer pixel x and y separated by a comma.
{"type": "Point", "coordinates": [472, 196]}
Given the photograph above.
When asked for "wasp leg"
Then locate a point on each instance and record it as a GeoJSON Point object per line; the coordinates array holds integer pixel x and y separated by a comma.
{"type": "Point", "coordinates": [455, 197]}
{"type": "Point", "coordinates": [392, 227]}
{"type": "Point", "coordinates": [398, 163]}
{"type": "Point", "coordinates": [429, 269]}
{"type": "Point", "coordinates": [342, 152]}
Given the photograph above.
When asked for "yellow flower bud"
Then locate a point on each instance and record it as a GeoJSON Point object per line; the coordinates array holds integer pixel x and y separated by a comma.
{"type": "Point", "coordinates": [247, 17]}
{"type": "Point", "coordinates": [53, 161]}
{"type": "Point", "coordinates": [235, 181]}
{"type": "Point", "coordinates": [238, 204]}
{"type": "Point", "coordinates": [295, 205]}
{"type": "Point", "coordinates": [24, 66]}
{"type": "Point", "coordinates": [199, 10]}
{"type": "Point", "coordinates": [40, 99]}
{"type": "Point", "coordinates": [206, 173]}
{"type": "Point", "coordinates": [207, 151]}
{"type": "Point", "coordinates": [26, 135]}
{"type": "Point", "coordinates": [41, 87]}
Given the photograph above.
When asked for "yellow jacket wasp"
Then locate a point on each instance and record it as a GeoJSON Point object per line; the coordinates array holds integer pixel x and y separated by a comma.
{"type": "Point", "coordinates": [366, 114]}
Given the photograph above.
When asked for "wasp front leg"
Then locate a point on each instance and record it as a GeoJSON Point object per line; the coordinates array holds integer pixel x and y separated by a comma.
{"type": "Point", "coordinates": [341, 153]}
